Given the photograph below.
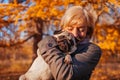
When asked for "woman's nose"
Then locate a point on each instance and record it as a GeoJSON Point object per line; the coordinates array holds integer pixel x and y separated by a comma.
{"type": "Point", "coordinates": [75, 32]}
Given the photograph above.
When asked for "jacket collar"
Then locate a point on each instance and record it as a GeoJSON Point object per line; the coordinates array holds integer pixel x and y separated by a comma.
{"type": "Point", "coordinates": [86, 40]}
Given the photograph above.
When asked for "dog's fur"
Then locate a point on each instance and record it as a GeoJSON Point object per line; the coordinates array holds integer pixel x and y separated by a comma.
{"type": "Point", "coordinates": [39, 70]}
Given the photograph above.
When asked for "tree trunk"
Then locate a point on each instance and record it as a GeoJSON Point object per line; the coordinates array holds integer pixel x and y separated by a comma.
{"type": "Point", "coordinates": [38, 36]}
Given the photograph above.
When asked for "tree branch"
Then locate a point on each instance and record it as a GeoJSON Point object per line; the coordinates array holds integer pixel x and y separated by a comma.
{"type": "Point", "coordinates": [17, 43]}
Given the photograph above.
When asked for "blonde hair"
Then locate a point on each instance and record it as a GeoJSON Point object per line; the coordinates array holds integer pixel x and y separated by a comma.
{"type": "Point", "coordinates": [77, 15]}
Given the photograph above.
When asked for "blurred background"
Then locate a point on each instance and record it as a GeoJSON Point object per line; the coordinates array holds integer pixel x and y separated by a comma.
{"type": "Point", "coordinates": [23, 23]}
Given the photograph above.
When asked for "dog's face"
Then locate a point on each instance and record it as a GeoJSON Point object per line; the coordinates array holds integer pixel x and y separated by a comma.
{"type": "Point", "coordinates": [69, 38]}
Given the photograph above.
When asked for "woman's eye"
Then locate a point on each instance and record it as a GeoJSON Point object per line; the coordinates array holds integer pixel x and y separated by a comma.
{"type": "Point", "coordinates": [81, 29]}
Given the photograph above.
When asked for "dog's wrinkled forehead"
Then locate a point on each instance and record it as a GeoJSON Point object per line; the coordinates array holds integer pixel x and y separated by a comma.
{"type": "Point", "coordinates": [64, 35]}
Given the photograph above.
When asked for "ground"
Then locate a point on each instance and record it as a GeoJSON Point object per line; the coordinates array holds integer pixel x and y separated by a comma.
{"type": "Point", "coordinates": [104, 71]}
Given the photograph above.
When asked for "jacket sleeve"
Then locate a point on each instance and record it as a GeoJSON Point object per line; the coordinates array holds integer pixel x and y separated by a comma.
{"type": "Point", "coordinates": [82, 63]}
{"type": "Point", "coordinates": [86, 60]}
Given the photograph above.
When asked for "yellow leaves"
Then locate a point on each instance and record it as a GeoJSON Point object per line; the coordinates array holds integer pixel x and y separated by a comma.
{"type": "Point", "coordinates": [113, 1]}
{"type": "Point", "coordinates": [21, 28]}
{"type": "Point", "coordinates": [43, 9]}
{"type": "Point", "coordinates": [107, 45]}
{"type": "Point", "coordinates": [47, 9]}
{"type": "Point", "coordinates": [10, 13]}
{"type": "Point", "coordinates": [56, 23]}
{"type": "Point", "coordinates": [16, 19]}
{"type": "Point", "coordinates": [71, 1]}
{"type": "Point", "coordinates": [40, 14]}
{"type": "Point", "coordinates": [78, 2]}
{"type": "Point", "coordinates": [53, 4]}
{"type": "Point", "coordinates": [100, 37]}
{"type": "Point", "coordinates": [15, 1]}
{"type": "Point", "coordinates": [44, 3]}
{"type": "Point", "coordinates": [106, 9]}
{"type": "Point", "coordinates": [66, 3]}
{"type": "Point", "coordinates": [54, 12]}
{"type": "Point", "coordinates": [108, 41]}
{"type": "Point", "coordinates": [116, 33]}
{"type": "Point", "coordinates": [109, 30]}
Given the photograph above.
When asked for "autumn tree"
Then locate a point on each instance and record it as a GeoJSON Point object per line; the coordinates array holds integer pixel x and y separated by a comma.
{"type": "Point", "coordinates": [24, 19]}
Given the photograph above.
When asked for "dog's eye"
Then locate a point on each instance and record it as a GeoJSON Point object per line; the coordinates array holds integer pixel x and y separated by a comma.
{"type": "Point", "coordinates": [61, 37]}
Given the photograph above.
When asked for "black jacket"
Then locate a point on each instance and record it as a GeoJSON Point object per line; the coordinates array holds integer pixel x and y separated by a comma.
{"type": "Point", "coordinates": [85, 58]}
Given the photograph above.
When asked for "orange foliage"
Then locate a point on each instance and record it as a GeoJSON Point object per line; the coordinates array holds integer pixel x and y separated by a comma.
{"type": "Point", "coordinates": [108, 37]}
{"type": "Point", "coordinates": [47, 10]}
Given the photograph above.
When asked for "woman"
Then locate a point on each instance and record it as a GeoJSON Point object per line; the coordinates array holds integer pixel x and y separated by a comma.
{"type": "Point", "coordinates": [80, 23]}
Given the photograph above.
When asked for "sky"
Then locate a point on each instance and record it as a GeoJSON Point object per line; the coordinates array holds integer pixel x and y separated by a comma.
{"type": "Point", "coordinates": [5, 1]}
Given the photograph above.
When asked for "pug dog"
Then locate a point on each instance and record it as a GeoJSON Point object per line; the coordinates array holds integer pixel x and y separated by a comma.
{"type": "Point", "coordinates": [39, 69]}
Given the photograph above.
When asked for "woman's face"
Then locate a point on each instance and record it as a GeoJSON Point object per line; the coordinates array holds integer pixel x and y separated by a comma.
{"type": "Point", "coordinates": [79, 32]}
